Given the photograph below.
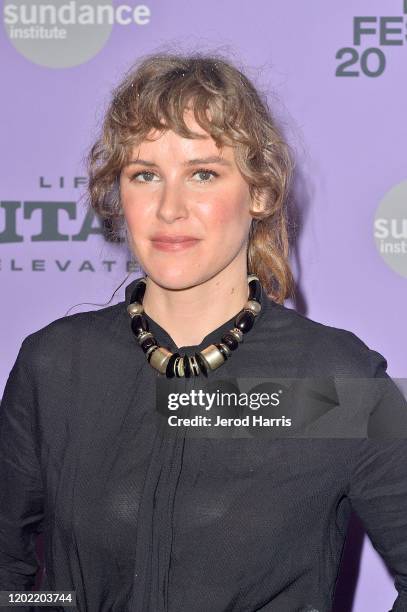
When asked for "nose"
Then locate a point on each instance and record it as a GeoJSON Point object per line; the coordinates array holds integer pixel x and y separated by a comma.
{"type": "Point", "coordinates": [172, 202]}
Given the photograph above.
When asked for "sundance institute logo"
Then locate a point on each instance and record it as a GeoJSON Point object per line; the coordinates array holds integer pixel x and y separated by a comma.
{"type": "Point", "coordinates": [61, 34]}
{"type": "Point", "coordinates": [390, 228]}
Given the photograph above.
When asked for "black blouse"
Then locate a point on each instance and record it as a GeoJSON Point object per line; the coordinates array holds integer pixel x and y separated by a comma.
{"type": "Point", "coordinates": [135, 519]}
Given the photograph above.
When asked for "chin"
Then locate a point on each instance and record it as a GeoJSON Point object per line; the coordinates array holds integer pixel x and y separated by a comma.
{"type": "Point", "coordinates": [173, 278]}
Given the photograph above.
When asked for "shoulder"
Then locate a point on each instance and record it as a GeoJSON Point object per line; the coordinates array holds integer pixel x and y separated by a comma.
{"type": "Point", "coordinates": [328, 348]}
{"type": "Point", "coordinates": [57, 342]}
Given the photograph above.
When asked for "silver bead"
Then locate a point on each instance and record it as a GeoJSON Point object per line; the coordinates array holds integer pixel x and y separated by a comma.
{"type": "Point", "coordinates": [134, 309]}
{"type": "Point", "coordinates": [253, 306]}
{"type": "Point", "coordinates": [179, 367]}
{"type": "Point", "coordinates": [194, 365]}
{"type": "Point", "coordinates": [144, 334]}
{"type": "Point", "coordinates": [150, 350]}
{"type": "Point", "coordinates": [237, 333]}
{"type": "Point", "coordinates": [213, 356]}
{"type": "Point", "coordinates": [226, 348]}
{"type": "Point", "coordinates": [252, 277]}
{"type": "Point", "coordinates": [160, 358]}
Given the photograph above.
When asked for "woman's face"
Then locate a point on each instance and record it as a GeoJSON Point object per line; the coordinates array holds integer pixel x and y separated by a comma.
{"type": "Point", "coordinates": [167, 190]}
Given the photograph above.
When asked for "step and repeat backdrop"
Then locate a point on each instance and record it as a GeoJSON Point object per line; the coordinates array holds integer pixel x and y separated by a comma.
{"type": "Point", "coordinates": [334, 74]}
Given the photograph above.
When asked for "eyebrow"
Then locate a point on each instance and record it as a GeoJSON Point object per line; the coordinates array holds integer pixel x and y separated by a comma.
{"type": "Point", "coordinates": [214, 159]}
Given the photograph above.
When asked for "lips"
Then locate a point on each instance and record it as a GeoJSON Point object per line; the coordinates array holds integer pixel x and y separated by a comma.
{"type": "Point", "coordinates": [173, 243]}
{"type": "Point", "coordinates": [172, 239]}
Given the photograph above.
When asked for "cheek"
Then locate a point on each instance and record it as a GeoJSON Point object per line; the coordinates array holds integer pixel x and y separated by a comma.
{"type": "Point", "coordinates": [135, 213]}
{"type": "Point", "coordinates": [229, 210]}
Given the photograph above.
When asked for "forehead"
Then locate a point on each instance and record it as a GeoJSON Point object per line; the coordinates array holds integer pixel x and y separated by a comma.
{"type": "Point", "coordinates": [169, 139]}
{"type": "Point", "coordinates": [191, 123]}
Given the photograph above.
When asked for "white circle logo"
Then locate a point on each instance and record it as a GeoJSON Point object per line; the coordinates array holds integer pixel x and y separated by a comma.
{"type": "Point", "coordinates": [390, 228]}
{"type": "Point", "coordinates": [63, 34]}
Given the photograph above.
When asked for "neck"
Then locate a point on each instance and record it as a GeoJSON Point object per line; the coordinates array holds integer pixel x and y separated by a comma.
{"type": "Point", "coordinates": [188, 315]}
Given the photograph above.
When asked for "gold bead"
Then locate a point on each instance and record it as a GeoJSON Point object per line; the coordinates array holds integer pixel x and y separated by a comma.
{"type": "Point", "coordinates": [160, 358]}
{"type": "Point", "coordinates": [134, 309]}
{"type": "Point", "coordinates": [213, 356]}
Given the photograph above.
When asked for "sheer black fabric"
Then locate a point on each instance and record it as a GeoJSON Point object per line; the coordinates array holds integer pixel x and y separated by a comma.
{"type": "Point", "coordinates": [136, 520]}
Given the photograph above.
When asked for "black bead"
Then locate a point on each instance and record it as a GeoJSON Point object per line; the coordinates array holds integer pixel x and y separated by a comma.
{"type": "Point", "coordinates": [187, 367]}
{"type": "Point", "coordinates": [138, 292]}
{"type": "Point", "coordinates": [202, 364]}
{"type": "Point", "coordinates": [230, 341]}
{"type": "Point", "coordinates": [223, 351]}
{"type": "Point", "coordinates": [139, 324]}
{"type": "Point", "coordinates": [244, 321]}
{"type": "Point", "coordinates": [255, 290]}
{"type": "Point", "coordinates": [170, 371]}
{"type": "Point", "coordinates": [148, 342]}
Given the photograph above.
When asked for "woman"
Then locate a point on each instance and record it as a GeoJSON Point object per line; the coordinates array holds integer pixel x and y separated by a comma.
{"type": "Point", "coordinates": [137, 516]}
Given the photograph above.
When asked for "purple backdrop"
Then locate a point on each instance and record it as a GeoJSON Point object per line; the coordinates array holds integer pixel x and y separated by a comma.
{"type": "Point", "coordinates": [338, 90]}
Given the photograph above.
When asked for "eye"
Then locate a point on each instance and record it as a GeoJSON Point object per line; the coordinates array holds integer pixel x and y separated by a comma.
{"type": "Point", "coordinates": [206, 176]}
{"type": "Point", "coordinates": [144, 173]}
{"type": "Point", "coordinates": [206, 173]}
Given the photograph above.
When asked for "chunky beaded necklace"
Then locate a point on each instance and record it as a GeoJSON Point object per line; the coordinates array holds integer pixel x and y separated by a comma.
{"type": "Point", "coordinates": [210, 358]}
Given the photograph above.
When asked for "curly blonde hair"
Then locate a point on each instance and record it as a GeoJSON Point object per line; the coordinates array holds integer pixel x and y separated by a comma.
{"type": "Point", "coordinates": [153, 95]}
